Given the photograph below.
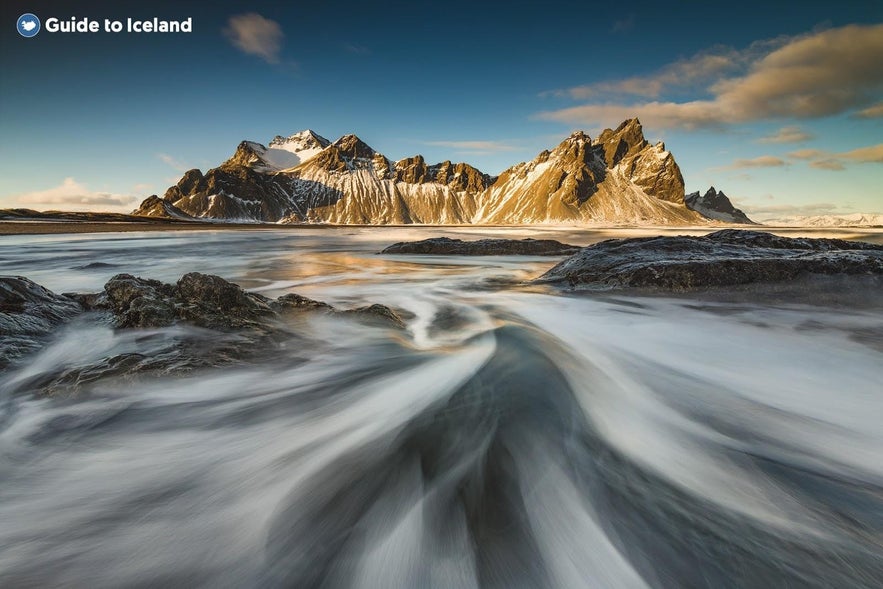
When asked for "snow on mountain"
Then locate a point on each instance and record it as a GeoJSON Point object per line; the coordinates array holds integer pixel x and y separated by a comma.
{"type": "Point", "coordinates": [281, 153]}
{"type": "Point", "coordinates": [619, 178]}
{"type": "Point", "coordinates": [850, 220]}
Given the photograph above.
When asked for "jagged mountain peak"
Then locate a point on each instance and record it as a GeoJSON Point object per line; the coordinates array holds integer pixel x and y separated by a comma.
{"type": "Point", "coordinates": [576, 148]}
{"type": "Point", "coordinates": [617, 178]}
{"type": "Point", "coordinates": [715, 205]}
{"type": "Point", "coordinates": [627, 139]}
{"type": "Point", "coordinates": [352, 147]}
{"type": "Point", "coordinates": [306, 139]}
{"type": "Point", "coordinates": [578, 136]}
{"type": "Point", "coordinates": [280, 154]}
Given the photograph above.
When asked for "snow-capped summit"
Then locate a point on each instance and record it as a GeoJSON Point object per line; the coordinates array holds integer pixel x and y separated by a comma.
{"type": "Point", "coordinates": [281, 153]}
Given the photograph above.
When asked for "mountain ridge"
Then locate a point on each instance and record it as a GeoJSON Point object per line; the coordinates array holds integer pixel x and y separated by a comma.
{"type": "Point", "coordinates": [618, 178]}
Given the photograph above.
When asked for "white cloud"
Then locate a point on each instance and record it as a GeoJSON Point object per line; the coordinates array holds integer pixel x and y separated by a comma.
{"type": "Point", "coordinates": [787, 135]}
{"type": "Point", "coordinates": [810, 76]}
{"type": "Point", "coordinates": [72, 196]}
{"type": "Point", "coordinates": [253, 34]}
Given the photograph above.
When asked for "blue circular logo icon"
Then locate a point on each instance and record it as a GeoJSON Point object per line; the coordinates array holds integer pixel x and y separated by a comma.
{"type": "Point", "coordinates": [28, 25]}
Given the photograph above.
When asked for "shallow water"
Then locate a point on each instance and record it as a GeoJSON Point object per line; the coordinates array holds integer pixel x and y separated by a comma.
{"type": "Point", "coordinates": [511, 437]}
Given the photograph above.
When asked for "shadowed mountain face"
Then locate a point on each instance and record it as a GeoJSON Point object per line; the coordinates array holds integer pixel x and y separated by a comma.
{"type": "Point", "coordinates": [716, 205]}
{"type": "Point", "coordinates": [617, 178]}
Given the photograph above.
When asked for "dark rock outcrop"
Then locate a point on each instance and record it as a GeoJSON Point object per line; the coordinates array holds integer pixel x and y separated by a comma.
{"type": "Point", "coordinates": [483, 247]}
{"type": "Point", "coordinates": [211, 302]}
{"type": "Point", "coordinates": [28, 313]}
{"type": "Point", "coordinates": [715, 205]}
{"type": "Point", "coordinates": [724, 258]}
{"type": "Point", "coordinates": [236, 325]}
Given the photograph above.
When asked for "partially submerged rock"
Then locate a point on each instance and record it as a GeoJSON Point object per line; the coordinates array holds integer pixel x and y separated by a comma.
{"type": "Point", "coordinates": [724, 258]}
{"type": "Point", "coordinates": [379, 315]}
{"type": "Point", "coordinates": [483, 247]}
{"type": "Point", "coordinates": [28, 313]}
{"type": "Point", "coordinates": [242, 325]}
{"type": "Point", "coordinates": [295, 302]}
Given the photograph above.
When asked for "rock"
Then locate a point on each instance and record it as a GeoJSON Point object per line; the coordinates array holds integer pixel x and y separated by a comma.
{"type": "Point", "coordinates": [139, 302]}
{"type": "Point", "coordinates": [28, 313]}
{"type": "Point", "coordinates": [154, 206]}
{"type": "Point", "coordinates": [296, 302]}
{"type": "Point", "coordinates": [724, 258]}
{"type": "Point", "coordinates": [483, 247]}
{"type": "Point", "coordinates": [90, 301]}
{"type": "Point", "coordinates": [376, 314]}
{"type": "Point", "coordinates": [715, 205]}
{"type": "Point", "coordinates": [243, 326]}
{"type": "Point", "coordinates": [210, 301]}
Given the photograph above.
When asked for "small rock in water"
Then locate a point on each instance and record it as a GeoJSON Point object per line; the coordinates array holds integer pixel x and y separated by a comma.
{"type": "Point", "coordinates": [483, 247]}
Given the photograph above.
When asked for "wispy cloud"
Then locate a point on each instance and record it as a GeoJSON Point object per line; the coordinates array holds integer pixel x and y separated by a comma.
{"type": "Point", "coordinates": [828, 164]}
{"type": "Point", "coordinates": [815, 75]}
{"type": "Point", "coordinates": [764, 161]}
{"type": "Point", "coordinates": [71, 195]}
{"type": "Point", "coordinates": [172, 162]}
{"type": "Point", "coordinates": [255, 35]}
{"type": "Point", "coordinates": [807, 154]}
{"type": "Point", "coordinates": [787, 135]}
{"type": "Point", "coordinates": [474, 147]}
{"type": "Point", "coordinates": [872, 112]}
{"type": "Point", "coordinates": [765, 212]}
{"type": "Point", "coordinates": [827, 160]}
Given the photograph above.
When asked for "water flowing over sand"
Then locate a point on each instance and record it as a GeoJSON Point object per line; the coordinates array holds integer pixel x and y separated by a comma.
{"type": "Point", "coordinates": [511, 437]}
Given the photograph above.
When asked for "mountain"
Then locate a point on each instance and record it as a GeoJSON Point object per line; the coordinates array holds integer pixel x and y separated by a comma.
{"type": "Point", "coordinates": [716, 205]}
{"type": "Point", "coordinates": [280, 153]}
{"type": "Point", "coordinates": [618, 178]}
{"type": "Point", "coordinates": [850, 220]}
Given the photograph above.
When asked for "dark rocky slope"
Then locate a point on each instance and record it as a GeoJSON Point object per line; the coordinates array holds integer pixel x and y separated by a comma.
{"type": "Point", "coordinates": [716, 205]}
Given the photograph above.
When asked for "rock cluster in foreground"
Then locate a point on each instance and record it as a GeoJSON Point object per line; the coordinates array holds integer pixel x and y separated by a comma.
{"type": "Point", "coordinates": [483, 247]}
{"type": "Point", "coordinates": [723, 258]}
{"type": "Point", "coordinates": [29, 312]}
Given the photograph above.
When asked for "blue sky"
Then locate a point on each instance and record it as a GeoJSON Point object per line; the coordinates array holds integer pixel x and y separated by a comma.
{"type": "Point", "coordinates": [779, 106]}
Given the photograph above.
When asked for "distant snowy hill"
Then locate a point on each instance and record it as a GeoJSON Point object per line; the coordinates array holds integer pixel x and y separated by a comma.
{"type": "Point", "coordinates": [851, 220]}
